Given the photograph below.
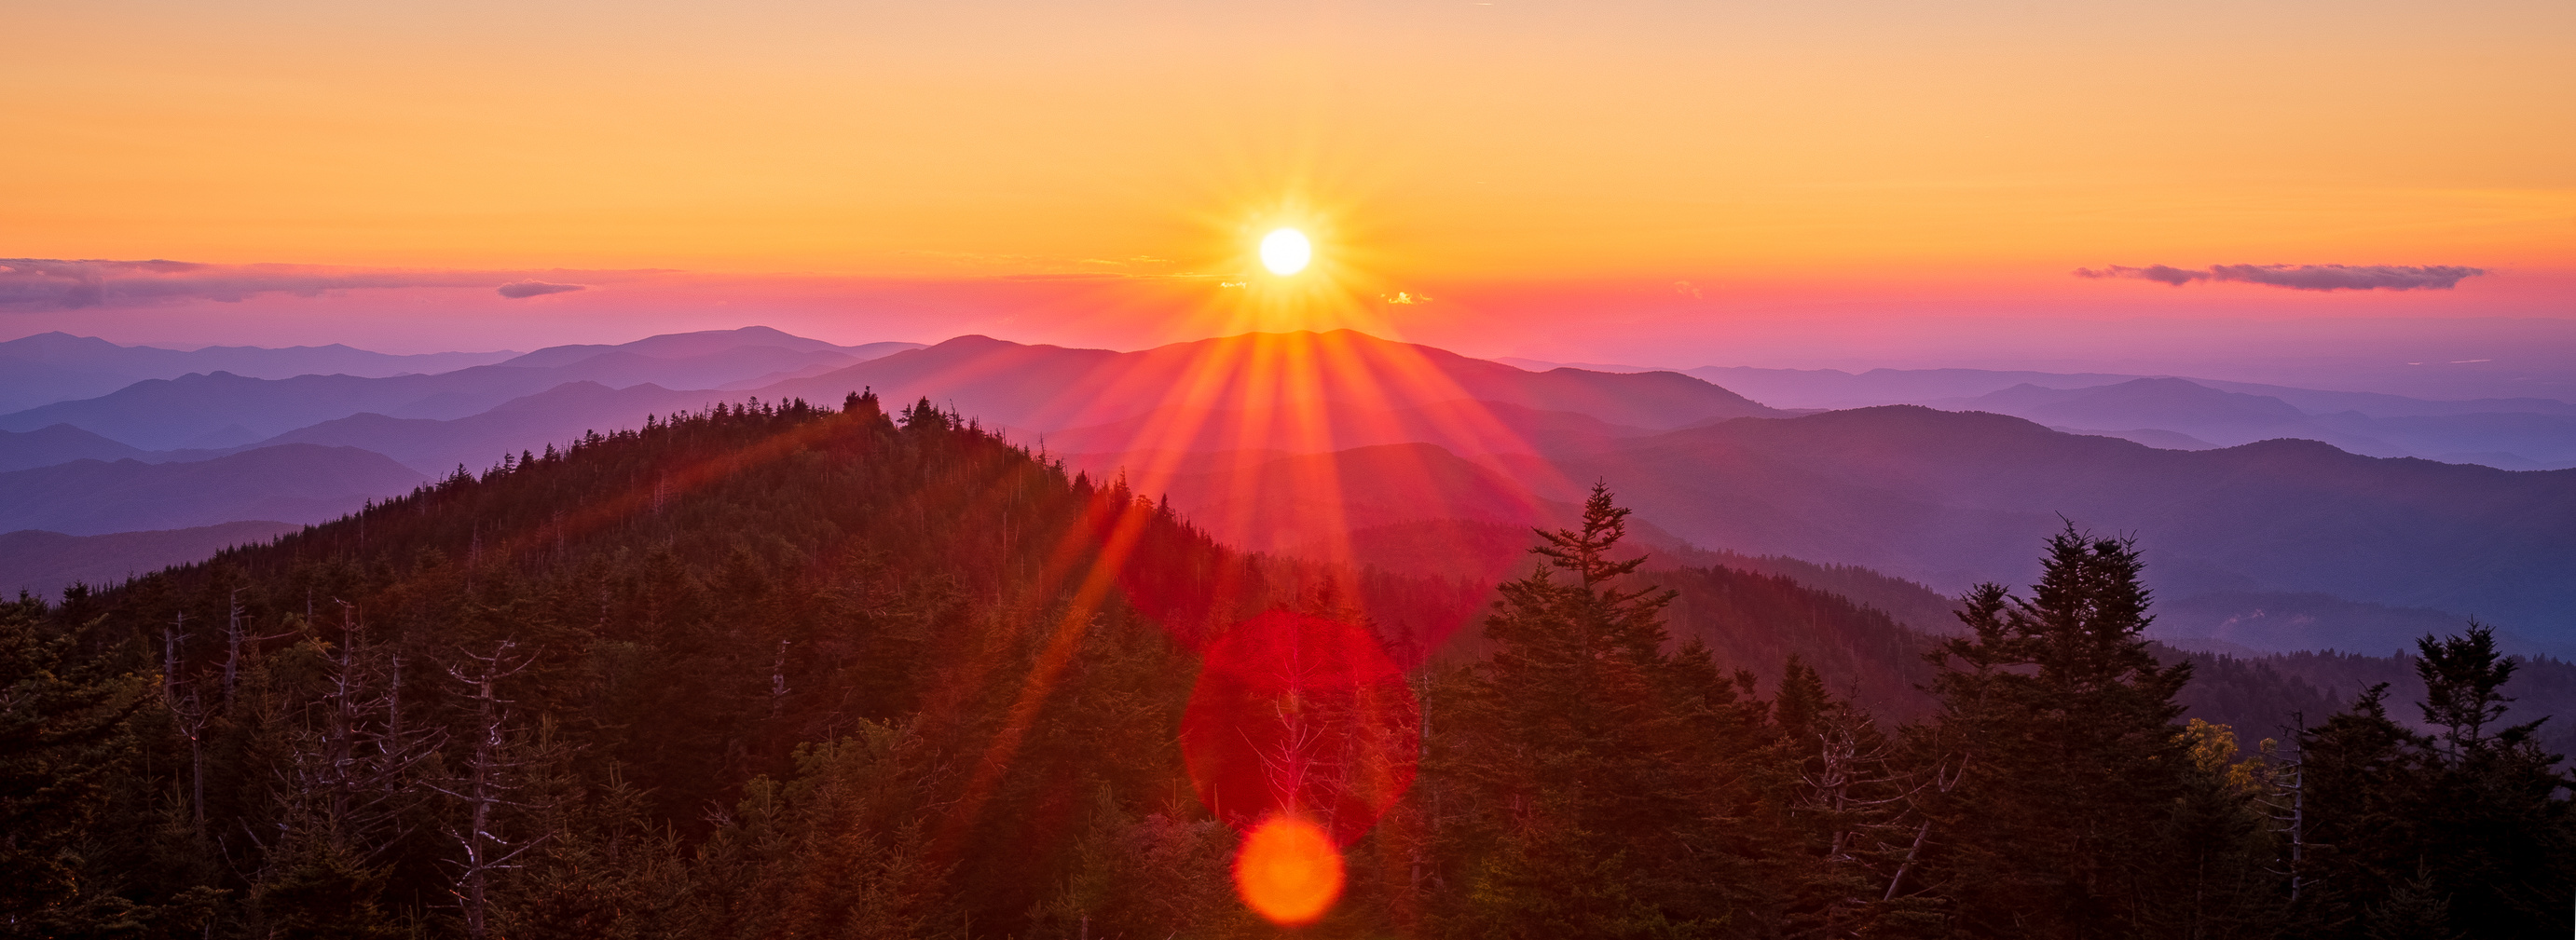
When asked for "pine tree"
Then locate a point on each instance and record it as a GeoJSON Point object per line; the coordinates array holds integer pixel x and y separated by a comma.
{"type": "Point", "coordinates": [1594, 760]}
{"type": "Point", "coordinates": [2415, 909]}
{"type": "Point", "coordinates": [2507, 837]}
{"type": "Point", "coordinates": [2462, 678]}
{"type": "Point", "coordinates": [2361, 773]}
{"type": "Point", "coordinates": [2463, 832]}
{"type": "Point", "coordinates": [2064, 725]}
{"type": "Point", "coordinates": [63, 732]}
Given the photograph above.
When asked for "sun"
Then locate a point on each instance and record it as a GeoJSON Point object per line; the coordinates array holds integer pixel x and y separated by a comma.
{"type": "Point", "coordinates": [1286, 251]}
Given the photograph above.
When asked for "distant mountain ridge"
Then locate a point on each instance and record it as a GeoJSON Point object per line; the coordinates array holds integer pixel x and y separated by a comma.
{"type": "Point", "coordinates": [2192, 413]}
{"type": "Point", "coordinates": [705, 343]}
{"type": "Point", "coordinates": [288, 483]}
{"type": "Point", "coordinates": [1290, 442]}
{"type": "Point", "coordinates": [44, 563]}
{"type": "Point", "coordinates": [60, 443]}
{"type": "Point", "coordinates": [2505, 440]}
{"type": "Point", "coordinates": [1838, 389]}
{"type": "Point", "coordinates": [180, 412]}
{"type": "Point", "coordinates": [475, 442]}
{"type": "Point", "coordinates": [1948, 498]}
{"type": "Point", "coordinates": [50, 367]}
{"type": "Point", "coordinates": [1051, 387]}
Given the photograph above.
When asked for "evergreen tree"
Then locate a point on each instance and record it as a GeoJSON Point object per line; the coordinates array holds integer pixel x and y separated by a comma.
{"type": "Point", "coordinates": [2063, 723]}
{"type": "Point", "coordinates": [2470, 823]}
{"type": "Point", "coordinates": [1608, 795]}
{"type": "Point", "coordinates": [2506, 853]}
{"type": "Point", "coordinates": [64, 733]}
{"type": "Point", "coordinates": [2359, 771]}
{"type": "Point", "coordinates": [787, 672]}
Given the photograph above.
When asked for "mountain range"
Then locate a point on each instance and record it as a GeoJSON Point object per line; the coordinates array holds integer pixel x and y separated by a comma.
{"type": "Point", "coordinates": [287, 483]}
{"type": "Point", "coordinates": [2266, 526]}
{"type": "Point", "coordinates": [2176, 413]}
{"type": "Point", "coordinates": [223, 410]}
{"type": "Point", "coordinates": [51, 367]}
{"type": "Point", "coordinates": [47, 562]}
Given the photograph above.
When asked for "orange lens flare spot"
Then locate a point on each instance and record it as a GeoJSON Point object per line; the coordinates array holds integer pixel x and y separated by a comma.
{"type": "Point", "coordinates": [1288, 871]}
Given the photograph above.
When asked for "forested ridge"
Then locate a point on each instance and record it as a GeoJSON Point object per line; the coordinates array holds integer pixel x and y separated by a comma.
{"type": "Point", "coordinates": [785, 671]}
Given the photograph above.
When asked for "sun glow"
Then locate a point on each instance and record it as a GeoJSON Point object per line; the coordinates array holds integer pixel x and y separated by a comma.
{"type": "Point", "coordinates": [1288, 871]}
{"type": "Point", "coordinates": [1286, 251]}
{"type": "Point", "coordinates": [1285, 247]}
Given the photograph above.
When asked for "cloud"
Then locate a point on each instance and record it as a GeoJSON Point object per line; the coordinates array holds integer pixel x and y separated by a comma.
{"type": "Point", "coordinates": [2302, 276]}
{"type": "Point", "coordinates": [2154, 272]}
{"type": "Point", "coordinates": [518, 289]}
{"type": "Point", "coordinates": [28, 284]}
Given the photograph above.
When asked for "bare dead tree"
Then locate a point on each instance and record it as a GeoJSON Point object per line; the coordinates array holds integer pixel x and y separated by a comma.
{"type": "Point", "coordinates": [1288, 767]}
{"type": "Point", "coordinates": [491, 777]}
{"type": "Point", "coordinates": [188, 713]}
{"type": "Point", "coordinates": [1848, 772]}
{"type": "Point", "coordinates": [1940, 779]}
{"type": "Point", "coordinates": [2285, 797]}
{"type": "Point", "coordinates": [352, 776]}
{"type": "Point", "coordinates": [1868, 803]}
{"type": "Point", "coordinates": [170, 640]}
{"type": "Point", "coordinates": [357, 767]}
{"type": "Point", "coordinates": [234, 640]}
{"type": "Point", "coordinates": [193, 717]}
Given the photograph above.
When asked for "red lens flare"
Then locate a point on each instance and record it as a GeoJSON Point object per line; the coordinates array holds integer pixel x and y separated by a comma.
{"type": "Point", "coordinates": [1300, 716]}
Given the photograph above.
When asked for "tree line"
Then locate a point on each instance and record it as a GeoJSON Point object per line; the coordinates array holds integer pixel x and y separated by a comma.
{"type": "Point", "coordinates": [786, 671]}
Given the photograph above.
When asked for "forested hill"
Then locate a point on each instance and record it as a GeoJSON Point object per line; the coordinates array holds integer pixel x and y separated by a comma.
{"type": "Point", "coordinates": [778, 670]}
{"type": "Point", "coordinates": [667, 617]}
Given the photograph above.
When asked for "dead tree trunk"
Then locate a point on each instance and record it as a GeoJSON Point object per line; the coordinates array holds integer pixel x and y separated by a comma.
{"type": "Point", "coordinates": [486, 787]}
{"type": "Point", "coordinates": [189, 714]}
{"type": "Point", "coordinates": [232, 642]}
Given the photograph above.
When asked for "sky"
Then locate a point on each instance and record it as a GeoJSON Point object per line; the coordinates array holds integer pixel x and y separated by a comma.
{"type": "Point", "coordinates": [1716, 183]}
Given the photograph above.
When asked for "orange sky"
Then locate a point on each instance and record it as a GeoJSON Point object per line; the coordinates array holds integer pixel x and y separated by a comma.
{"type": "Point", "coordinates": [1892, 151]}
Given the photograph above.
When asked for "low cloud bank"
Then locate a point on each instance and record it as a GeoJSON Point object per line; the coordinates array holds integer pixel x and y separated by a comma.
{"type": "Point", "coordinates": [518, 289]}
{"type": "Point", "coordinates": [29, 284]}
{"type": "Point", "coordinates": [2300, 276]}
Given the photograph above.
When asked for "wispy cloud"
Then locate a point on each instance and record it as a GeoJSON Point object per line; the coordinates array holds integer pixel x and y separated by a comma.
{"type": "Point", "coordinates": [28, 284]}
{"type": "Point", "coordinates": [518, 289]}
{"type": "Point", "coordinates": [2301, 276]}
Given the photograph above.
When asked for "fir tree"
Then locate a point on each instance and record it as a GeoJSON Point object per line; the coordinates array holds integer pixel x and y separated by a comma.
{"type": "Point", "coordinates": [2464, 832]}
{"type": "Point", "coordinates": [2064, 725]}
{"type": "Point", "coordinates": [64, 733]}
{"type": "Point", "coordinates": [1597, 763]}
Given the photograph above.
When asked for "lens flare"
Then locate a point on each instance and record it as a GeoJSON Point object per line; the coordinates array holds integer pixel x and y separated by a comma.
{"type": "Point", "coordinates": [1286, 251]}
{"type": "Point", "coordinates": [1288, 871]}
{"type": "Point", "coordinates": [1304, 717]}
